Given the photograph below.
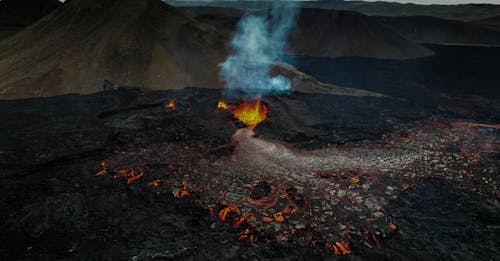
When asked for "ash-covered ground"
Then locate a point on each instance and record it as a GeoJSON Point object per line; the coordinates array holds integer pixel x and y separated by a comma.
{"type": "Point", "coordinates": [120, 175]}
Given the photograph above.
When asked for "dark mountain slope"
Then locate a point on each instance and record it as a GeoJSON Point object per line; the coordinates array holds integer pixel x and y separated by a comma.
{"type": "Point", "coordinates": [426, 29]}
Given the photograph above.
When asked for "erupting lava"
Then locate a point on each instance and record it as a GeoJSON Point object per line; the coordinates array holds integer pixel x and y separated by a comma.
{"type": "Point", "coordinates": [171, 104]}
{"type": "Point", "coordinates": [251, 113]}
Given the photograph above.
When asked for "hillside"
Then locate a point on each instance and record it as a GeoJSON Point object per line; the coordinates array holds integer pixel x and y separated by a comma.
{"type": "Point", "coordinates": [492, 22]}
{"type": "Point", "coordinates": [464, 12]}
{"type": "Point", "coordinates": [85, 42]}
{"type": "Point", "coordinates": [426, 29]}
{"type": "Point", "coordinates": [17, 14]}
{"type": "Point", "coordinates": [338, 33]}
{"type": "Point", "coordinates": [346, 33]}
{"type": "Point", "coordinates": [81, 45]}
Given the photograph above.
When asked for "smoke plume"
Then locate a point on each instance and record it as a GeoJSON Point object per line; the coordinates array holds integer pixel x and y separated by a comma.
{"type": "Point", "coordinates": [259, 41]}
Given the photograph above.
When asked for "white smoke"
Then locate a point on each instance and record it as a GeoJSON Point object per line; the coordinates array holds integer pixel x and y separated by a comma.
{"type": "Point", "coordinates": [259, 41]}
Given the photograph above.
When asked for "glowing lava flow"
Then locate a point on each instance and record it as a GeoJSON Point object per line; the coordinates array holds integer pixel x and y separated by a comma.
{"type": "Point", "coordinates": [171, 104]}
{"type": "Point", "coordinates": [251, 113]}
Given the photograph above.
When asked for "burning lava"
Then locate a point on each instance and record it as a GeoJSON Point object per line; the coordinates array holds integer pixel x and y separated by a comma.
{"type": "Point", "coordinates": [171, 104]}
{"type": "Point", "coordinates": [251, 113]}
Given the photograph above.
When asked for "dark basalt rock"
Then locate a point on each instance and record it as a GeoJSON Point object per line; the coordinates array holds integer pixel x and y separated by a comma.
{"type": "Point", "coordinates": [440, 222]}
{"type": "Point", "coordinates": [53, 207]}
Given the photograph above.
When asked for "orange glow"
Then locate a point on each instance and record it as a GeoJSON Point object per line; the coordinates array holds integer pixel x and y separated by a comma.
{"type": "Point", "coordinates": [154, 183]}
{"type": "Point", "coordinates": [251, 113]}
{"type": "Point", "coordinates": [279, 217]}
{"type": "Point", "coordinates": [103, 170]}
{"type": "Point", "coordinates": [130, 174]}
{"type": "Point", "coordinates": [344, 247]}
{"type": "Point", "coordinates": [225, 211]}
{"type": "Point", "coordinates": [394, 226]}
{"type": "Point", "coordinates": [182, 193]}
{"type": "Point", "coordinates": [245, 234]}
{"type": "Point", "coordinates": [333, 248]}
{"type": "Point", "coordinates": [222, 105]}
{"type": "Point", "coordinates": [238, 221]}
{"type": "Point", "coordinates": [171, 104]}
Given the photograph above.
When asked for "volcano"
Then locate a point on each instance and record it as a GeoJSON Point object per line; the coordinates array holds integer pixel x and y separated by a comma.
{"type": "Point", "coordinates": [128, 135]}
{"type": "Point", "coordinates": [86, 42]}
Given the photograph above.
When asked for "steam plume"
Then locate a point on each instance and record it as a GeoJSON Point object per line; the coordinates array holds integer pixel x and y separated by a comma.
{"type": "Point", "coordinates": [259, 41]}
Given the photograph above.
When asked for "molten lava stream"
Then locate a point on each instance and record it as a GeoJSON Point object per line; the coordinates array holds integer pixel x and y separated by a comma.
{"type": "Point", "coordinates": [251, 113]}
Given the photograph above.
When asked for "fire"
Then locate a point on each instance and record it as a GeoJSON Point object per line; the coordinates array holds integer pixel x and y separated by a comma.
{"type": "Point", "coordinates": [129, 173]}
{"type": "Point", "coordinates": [103, 170]}
{"type": "Point", "coordinates": [225, 211]}
{"type": "Point", "coordinates": [251, 113]}
{"type": "Point", "coordinates": [339, 248]}
{"type": "Point", "coordinates": [171, 104]}
{"type": "Point", "coordinates": [223, 105]}
{"type": "Point", "coordinates": [245, 234]}
{"type": "Point", "coordinates": [182, 193]}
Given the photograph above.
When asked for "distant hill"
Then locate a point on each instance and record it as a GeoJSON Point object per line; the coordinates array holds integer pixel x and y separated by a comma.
{"type": "Point", "coordinates": [464, 12]}
{"type": "Point", "coordinates": [426, 29]}
{"type": "Point", "coordinates": [335, 33]}
{"type": "Point", "coordinates": [492, 22]}
{"type": "Point", "coordinates": [25, 12]}
{"type": "Point", "coordinates": [148, 43]}
{"type": "Point", "coordinates": [17, 14]}
{"type": "Point", "coordinates": [83, 43]}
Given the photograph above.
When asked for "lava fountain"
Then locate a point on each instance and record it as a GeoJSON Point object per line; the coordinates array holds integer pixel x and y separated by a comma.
{"type": "Point", "coordinates": [250, 113]}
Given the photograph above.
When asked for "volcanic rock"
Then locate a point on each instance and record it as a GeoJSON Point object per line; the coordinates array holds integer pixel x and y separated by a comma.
{"type": "Point", "coordinates": [53, 206]}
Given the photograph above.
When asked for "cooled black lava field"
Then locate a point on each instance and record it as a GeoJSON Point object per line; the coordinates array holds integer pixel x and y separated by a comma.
{"type": "Point", "coordinates": [121, 175]}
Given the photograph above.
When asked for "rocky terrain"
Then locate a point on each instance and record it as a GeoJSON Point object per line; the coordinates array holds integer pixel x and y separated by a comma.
{"type": "Point", "coordinates": [121, 175]}
{"type": "Point", "coordinates": [119, 142]}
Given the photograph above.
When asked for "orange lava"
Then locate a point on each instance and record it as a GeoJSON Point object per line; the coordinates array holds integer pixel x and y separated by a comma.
{"type": "Point", "coordinates": [183, 192]}
{"type": "Point", "coordinates": [251, 113]}
{"type": "Point", "coordinates": [171, 104]}
{"type": "Point", "coordinates": [225, 211]}
{"type": "Point", "coordinates": [129, 173]}
{"type": "Point", "coordinates": [223, 105]}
